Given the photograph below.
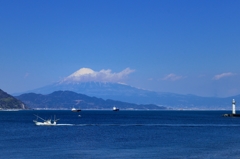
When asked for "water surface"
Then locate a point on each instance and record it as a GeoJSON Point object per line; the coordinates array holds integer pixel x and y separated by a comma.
{"type": "Point", "coordinates": [123, 134]}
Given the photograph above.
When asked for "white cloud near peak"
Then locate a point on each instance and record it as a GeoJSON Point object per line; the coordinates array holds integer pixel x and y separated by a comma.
{"type": "Point", "coordinates": [172, 77]}
{"type": "Point", "coordinates": [87, 75]}
{"type": "Point", "coordinates": [223, 75]}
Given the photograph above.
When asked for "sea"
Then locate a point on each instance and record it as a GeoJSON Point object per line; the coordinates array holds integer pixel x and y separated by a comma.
{"type": "Point", "coordinates": [106, 134]}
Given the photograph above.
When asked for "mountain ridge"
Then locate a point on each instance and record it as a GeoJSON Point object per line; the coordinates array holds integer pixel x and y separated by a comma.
{"type": "Point", "coordinates": [69, 99]}
{"type": "Point", "coordinates": [126, 93]}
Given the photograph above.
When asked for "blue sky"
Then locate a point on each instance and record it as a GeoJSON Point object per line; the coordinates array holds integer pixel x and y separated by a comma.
{"type": "Point", "coordinates": [186, 47]}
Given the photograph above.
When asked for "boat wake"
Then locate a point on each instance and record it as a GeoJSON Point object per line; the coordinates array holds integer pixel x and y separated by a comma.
{"type": "Point", "coordinates": [152, 125]}
{"type": "Point", "coordinates": [64, 124]}
{"type": "Point", "coordinates": [162, 125]}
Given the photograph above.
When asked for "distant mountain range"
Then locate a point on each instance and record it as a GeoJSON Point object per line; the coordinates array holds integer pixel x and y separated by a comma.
{"type": "Point", "coordinates": [126, 93]}
{"type": "Point", "coordinates": [9, 102]}
{"type": "Point", "coordinates": [69, 99]}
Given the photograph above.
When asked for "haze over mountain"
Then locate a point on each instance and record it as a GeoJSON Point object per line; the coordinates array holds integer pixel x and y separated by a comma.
{"type": "Point", "coordinates": [104, 85]}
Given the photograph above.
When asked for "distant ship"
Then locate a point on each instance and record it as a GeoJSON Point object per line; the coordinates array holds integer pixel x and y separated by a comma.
{"type": "Point", "coordinates": [115, 109]}
{"type": "Point", "coordinates": [76, 110]}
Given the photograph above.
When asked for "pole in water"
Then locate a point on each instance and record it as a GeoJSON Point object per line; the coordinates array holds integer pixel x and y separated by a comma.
{"type": "Point", "coordinates": [233, 107]}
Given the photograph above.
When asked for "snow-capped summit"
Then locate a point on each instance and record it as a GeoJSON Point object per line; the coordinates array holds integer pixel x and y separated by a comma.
{"type": "Point", "coordinates": [89, 75]}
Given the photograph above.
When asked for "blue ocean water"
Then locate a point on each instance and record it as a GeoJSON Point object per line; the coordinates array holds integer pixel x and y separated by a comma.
{"type": "Point", "coordinates": [118, 135]}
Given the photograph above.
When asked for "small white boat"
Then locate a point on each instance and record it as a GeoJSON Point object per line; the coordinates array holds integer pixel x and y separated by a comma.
{"type": "Point", "coordinates": [45, 122]}
{"type": "Point", "coordinates": [76, 110]}
{"type": "Point", "coordinates": [115, 109]}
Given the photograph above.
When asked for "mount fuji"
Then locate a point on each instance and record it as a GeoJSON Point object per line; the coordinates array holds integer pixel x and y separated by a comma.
{"type": "Point", "coordinates": [105, 84]}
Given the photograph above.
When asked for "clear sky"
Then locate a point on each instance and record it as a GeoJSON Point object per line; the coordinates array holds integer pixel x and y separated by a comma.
{"type": "Point", "coordinates": [179, 46]}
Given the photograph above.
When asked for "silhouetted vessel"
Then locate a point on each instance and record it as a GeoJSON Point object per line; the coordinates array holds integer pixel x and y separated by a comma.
{"type": "Point", "coordinates": [115, 109]}
{"type": "Point", "coordinates": [76, 110]}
